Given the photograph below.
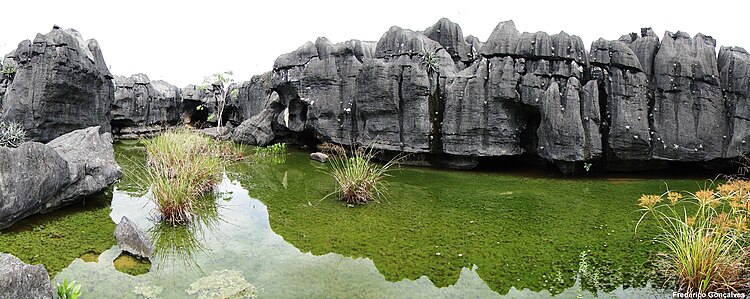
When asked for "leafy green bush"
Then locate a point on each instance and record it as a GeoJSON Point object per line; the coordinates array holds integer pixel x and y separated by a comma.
{"type": "Point", "coordinates": [704, 233]}
{"type": "Point", "coordinates": [11, 134]}
{"type": "Point", "coordinates": [359, 180]}
{"type": "Point", "coordinates": [67, 290]}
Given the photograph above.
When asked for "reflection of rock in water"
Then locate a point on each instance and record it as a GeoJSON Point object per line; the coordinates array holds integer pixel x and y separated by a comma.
{"type": "Point", "coordinates": [223, 284]}
{"type": "Point", "coordinates": [131, 265]}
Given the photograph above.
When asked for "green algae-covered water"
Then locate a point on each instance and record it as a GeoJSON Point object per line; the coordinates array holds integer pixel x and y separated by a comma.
{"type": "Point", "coordinates": [440, 234]}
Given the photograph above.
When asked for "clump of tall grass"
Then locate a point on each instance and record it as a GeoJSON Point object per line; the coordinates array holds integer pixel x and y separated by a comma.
{"type": "Point", "coordinates": [705, 234]}
{"type": "Point", "coordinates": [181, 167]}
{"type": "Point", "coordinates": [358, 179]}
{"type": "Point", "coordinates": [11, 134]}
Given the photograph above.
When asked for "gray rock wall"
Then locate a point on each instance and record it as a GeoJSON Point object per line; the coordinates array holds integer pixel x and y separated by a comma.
{"type": "Point", "coordinates": [62, 84]}
{"type": "Point", "coordinates": [634, 102]}
{"type": "Point", "coordinates": [143, 107]}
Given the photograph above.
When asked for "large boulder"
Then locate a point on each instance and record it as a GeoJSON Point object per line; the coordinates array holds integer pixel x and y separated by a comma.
{"type": "Point", "coordinates": [249, 98]}
{"type": "Point", "coordinates": [144, 107]}
{"type": "Point", "coordinates": [19, 280]}
{"type": "Point", "coordinates": [131, 238]}
{"type": "Point", "coordinates": [38, 178]}
{"type": "Point", "coordinates": [256, 130]}
{"type": "Point", "coordinates": [61, 84]}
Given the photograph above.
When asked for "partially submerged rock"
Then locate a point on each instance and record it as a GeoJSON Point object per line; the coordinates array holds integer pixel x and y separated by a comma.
{"type": "Point", "coordinates": [222, 285]}
{"type": "Point", "coordinates": [131, 238]}
{"type": "Point", "coordinates": [320, 157]}
{"type": "Point", "coordinates": [19, 280]}
{"type": "Point", "coordinates": [256, 130]}
{"type": "Point", "coordinates": [38, 178]}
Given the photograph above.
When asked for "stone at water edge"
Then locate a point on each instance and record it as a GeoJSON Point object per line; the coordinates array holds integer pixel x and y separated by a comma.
{"type": "Point", "coordinates": [320, 157]}
{"type": "Point", "coordinates": [38, 178]}
{"type": "Point", "coordinates": [133, 239]}
{"type": "Point", "coordinates": [20, 280]}
{"type": "Point", "coordinates": [223, 133]}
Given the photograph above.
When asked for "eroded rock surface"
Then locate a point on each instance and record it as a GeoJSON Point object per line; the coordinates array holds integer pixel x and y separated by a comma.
{"type": "Point", "coordinates": [61, 84]}
{"type": "Point", "coordinates": [131, 238]}
{"type": "Point", "coordinates": [38, 178]}
{"type": "Point", "coordinates": [447, 99]}
{"type": "Point", "coordinates": [143, 107]}
{"type": "Point", "coordinates": [19, 280]}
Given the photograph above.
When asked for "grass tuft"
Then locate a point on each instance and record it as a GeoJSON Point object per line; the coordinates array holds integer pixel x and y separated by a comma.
{"type": "Point", "coordinates": [358, 179]}
{"type": "Point", "coordinates": [704, 233]}
{"type": "Point", "coordinates": [181, 167]}
{"type": "Point", "coordinates": [11, 134]}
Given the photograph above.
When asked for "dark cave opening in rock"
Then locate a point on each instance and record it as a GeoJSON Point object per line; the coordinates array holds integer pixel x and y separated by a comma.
{"type": "Point", "coordinates": [195, 113]}
{"type": "Point", "coordinates": [528, 137]}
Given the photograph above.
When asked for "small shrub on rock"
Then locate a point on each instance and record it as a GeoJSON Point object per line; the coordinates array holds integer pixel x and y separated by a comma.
{"type": "Point", "coordinates": [11, 134]}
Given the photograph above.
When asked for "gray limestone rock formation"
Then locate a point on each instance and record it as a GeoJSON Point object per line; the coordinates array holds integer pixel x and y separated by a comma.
{"type": "Point", "coordinates": [131, 238]}
{"type": "Point", "coordinates": [19, 280]}
{"type": "Point", "coordinates": [61, 84]}
{"type": "Point", "coordinates": [632, 103]}
{"type": "Point", "coordinates": [38, 178]}
{"type": "Point", "coordinates": [144, 107]}
{"type": "Point", "coordinates": [256, 130]}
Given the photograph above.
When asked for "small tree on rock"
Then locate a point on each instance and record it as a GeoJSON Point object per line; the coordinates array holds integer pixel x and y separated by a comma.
{"type": "Point", "coordinates": [218, 84]}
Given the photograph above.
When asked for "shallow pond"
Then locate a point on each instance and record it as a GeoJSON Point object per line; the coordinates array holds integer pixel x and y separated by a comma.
{"type": "Point", "coordinates": [439, 234]}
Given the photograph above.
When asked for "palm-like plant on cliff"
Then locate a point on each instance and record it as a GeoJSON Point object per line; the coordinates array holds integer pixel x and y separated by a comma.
{"type": "Point", "coordinates": [218, 85]}
{"type": "Point", "coordinates": [429, 61]}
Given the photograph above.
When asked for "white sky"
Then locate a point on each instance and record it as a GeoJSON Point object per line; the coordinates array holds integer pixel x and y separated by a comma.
{"type": "Point", "coordinates": [183, 41]}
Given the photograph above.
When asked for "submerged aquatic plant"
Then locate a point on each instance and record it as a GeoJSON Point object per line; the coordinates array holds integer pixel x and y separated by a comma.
{"type": "Point", "coordinates": [223, 284]}
{"type": "Point", "coordinates": [358, 179]}
{"type": "Point", "coordinates": [11, 134]}
{"type": "Point", "coordinates": [181, 167]}
{"type": "Point", "coordinates": [704, 233]}
{"type": "Point", "coordinates": [67, 290]}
